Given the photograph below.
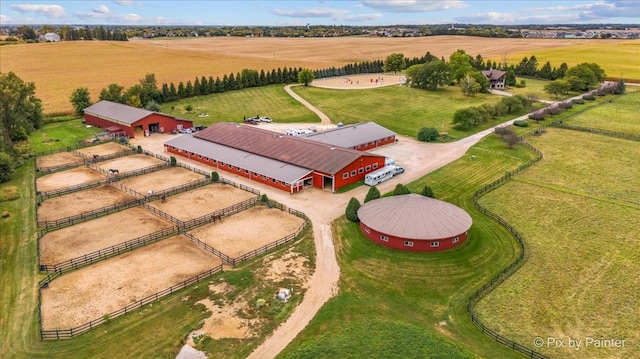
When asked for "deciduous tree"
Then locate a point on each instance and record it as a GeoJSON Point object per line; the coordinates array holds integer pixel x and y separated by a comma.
{"type": "Point", "coordinates": [80, 99]}
{"type": "Point", "coordinates": [395, 62]}
{"type": "Point", "coordinates": [305, 77]}
{"type": "Point", "coordinates": [20, 109]}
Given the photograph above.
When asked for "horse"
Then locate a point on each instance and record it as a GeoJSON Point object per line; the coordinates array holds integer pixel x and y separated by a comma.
{"type": "Point", "coordinates": [113, 171]}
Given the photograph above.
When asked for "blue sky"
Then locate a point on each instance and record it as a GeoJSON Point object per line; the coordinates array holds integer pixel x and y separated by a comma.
{"type": "Point", "coordinates": [322, 12]}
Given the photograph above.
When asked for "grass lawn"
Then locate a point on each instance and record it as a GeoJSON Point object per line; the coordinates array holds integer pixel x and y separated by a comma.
{"type": "Point", "coordinates": [401, 109]}
{"type": "Point", "coordinates": [584, 163]}
{"type": "Point", "coordinates": [385, 292]}
{"type": "Point", "coordinates": [621, 115]}
{"type": "Point", "coordinates": [536, 87]}
{"type": "Point", "coordinates": [60, 135]}
{"type": "Point", "coordinates": [231, 106]}
{"type": "Point", "coordinates": [157, 330]}
{"type": "Point", "coordinates": [579, 214]}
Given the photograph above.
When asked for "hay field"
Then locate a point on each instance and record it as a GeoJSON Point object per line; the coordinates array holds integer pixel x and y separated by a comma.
{"type": "Point", "coordinates": [97, 64]}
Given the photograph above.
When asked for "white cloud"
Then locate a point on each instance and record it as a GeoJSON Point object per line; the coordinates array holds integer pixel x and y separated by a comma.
{"type": "Point", "coordinates": [55, 11]}
{"type": "Point", "coordinates": [415, 5]}
{"type": "Point", "coordinates": [513, 19]}
{"type": "Point", "coordinates": [123, 2]}
{"type": "Point", "coordinates": [4, 19]}
{"type": "Point", "coordinates": [598, 11]}
{"type": "Point", "coordinates": [102, 9]}
{"type": "Point", "coordinates": [335, 14]}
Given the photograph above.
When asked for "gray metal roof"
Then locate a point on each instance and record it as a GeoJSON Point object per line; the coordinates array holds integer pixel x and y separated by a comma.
{"type": "Point", "coordinates": [352, 135]}
{"type": "Point", "coordinates": [117, 112]}
{"type": "Point", "coordinates": [414, 216]}
{"type": "Point", "coordinates": [493, 74]}
{"type": "Point", "coordinates": [287, 149]}
{"type": "Point", "coordinates": [279, 170]}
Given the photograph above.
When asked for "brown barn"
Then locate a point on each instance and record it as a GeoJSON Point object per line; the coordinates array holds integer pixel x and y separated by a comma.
{"type": "Point", "coordinates": [413, 222]}
{"type": "Point", "coordinates": [285, 162]}
{"type": "Point", "coordinates": [132, 121]}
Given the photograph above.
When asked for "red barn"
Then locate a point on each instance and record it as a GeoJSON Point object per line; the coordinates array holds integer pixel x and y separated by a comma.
{"type": "Point", "coordinates": [360, 136]}
{"type": "Point", "coordinates": [284, 162]}
{"type": "Point", "coordinates": [133, 121]}
{"type": "Point", "coordinates": [414, 222]}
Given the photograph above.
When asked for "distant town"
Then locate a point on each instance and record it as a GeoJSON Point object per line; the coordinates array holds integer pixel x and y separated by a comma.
{"type": "Point", "coordinates": [53, 33]}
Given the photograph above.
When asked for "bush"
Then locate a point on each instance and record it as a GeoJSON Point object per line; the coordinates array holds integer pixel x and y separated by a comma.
{"type": "Point", "coordinates": [400, 190]}
{"type": "Point", "coordinates": [172, 161]}
{"type": "Point", "coordinates": [520, 123]}
{"type": "Point", "coordinates": [372, 194]}
{"type": "Point", "coordinates": [9, 193]}
{"type": "Point", "coordinates": [428, 134]}
{"type": "Point", "coordinates": [352, 210]}
{"type": "Point", "coordinates": [188, 108]}
{"type": "Point", "coordinates": [215, 176]}
{"type": "Point", "coordinates": [428, 192]}
{"type": "Point", "coordinates": [566, 105]}
{"type": "Point", "coordinates": [589, 97]}
{"type": "Point", "coordinates": [264, 198]}
{"type": "Point", "coordinates": [139, 149]}
{"type": "Point", "coordinates": [6, 166]}
{"type": "Point", "coordinates": [578, 101]}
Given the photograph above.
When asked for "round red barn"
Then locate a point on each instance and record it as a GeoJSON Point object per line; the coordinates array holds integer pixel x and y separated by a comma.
{"type": "Point", "coordinates": [413, 222]}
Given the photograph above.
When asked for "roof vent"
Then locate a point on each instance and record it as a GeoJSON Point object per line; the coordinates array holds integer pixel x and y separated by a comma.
{"type": "Point", "coordinates": [333, 147]}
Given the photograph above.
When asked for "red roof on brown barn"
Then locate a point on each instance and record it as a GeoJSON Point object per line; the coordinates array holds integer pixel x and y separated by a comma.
{"type": "Point", "coordinates": [295, 150]}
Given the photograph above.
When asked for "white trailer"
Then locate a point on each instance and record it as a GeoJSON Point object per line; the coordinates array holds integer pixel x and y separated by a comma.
{"type": "Point", "coordinates": [380, 175]}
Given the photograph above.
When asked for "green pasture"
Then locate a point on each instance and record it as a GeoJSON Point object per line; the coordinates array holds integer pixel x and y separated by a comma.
{"type": "Point", "coordinates": [233, 106]}
{"type": "Point", "coordinates": [60, 135]}
{"type": "Point", "coordinates": [401, 109]}
{"type": "Point", "coordinates": [584, 163]}
{"type": "Point", "coordinates": [536, 87]}
{"type": "Point", "coordinates": [383, 291]}
{"type": "Point", "coordinates": [581, 277]}
{"type": "Point", "coordinates": [619, 59]}
{"type": "Point", "coordinates": [620, 115]}
{"type": "Point", "coordinates": [157, 330]}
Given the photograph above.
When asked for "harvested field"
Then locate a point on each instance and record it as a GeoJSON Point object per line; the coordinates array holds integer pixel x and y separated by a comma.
{"type": "Point", "coordinates": [88, 293]}
{"type": "Point", "coordinates": [248, 230]}
{"type": "Point", "coordinates": [58, 159]}
{"type": "Point", "coordinates": [203, 200]}
{"type": "Point", "coordinates": [130, 163]}
{"type": "Point", "coordinates": [67, 178]}
{"type": "Point", "coordinates": [79, 202]}
{"type": "Point", "coordinates": [87, 237]}
{"type": "Point", "coordinates": [161, 180]}
{"type": "Point", "coordinates": [180, 60]}
{"type": "Point", "coordinates": [103, 149]}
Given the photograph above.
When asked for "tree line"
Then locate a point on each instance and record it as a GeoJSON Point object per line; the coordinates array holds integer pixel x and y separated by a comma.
{"type": "Point", "coordinates": [68, 33]}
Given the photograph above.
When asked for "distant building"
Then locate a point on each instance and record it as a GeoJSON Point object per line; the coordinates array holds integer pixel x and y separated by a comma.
{"type": "Point", "coordinates": [49, 37]}
{"type": "Point", "coordinates": [496, 78]}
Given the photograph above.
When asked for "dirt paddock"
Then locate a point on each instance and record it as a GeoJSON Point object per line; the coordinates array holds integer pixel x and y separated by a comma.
{"type": "Point", "coordinates": [96, 234]}
{"type": "Point", "coordinates": [79, 202]}
{"type": "Point", "coordinates": [67, 178]}
{"type": "Point", "coordinates": [203, 200]}
{"type": "Point", "coordinates": [130, 163]}
{"type": "Point", "coordinates": [161, 180]}
{"type": "Point", "coordinates": [359, 81]}
{"type": "Point", "coordinates": [248, 230]}
{"type": "Point", "coordinates": [91, 292]}
{"type": "Point", "coordinates": [58, 159]}
{"type": "Point", "coordinates": [103, 149]}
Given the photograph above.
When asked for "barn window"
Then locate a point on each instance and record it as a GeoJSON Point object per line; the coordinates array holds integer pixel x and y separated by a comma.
{"type": "Point", "coordinates": [384, 238]}
{"type": "Point", "coordinates": [256, 174]}
{"type": "Point", "coordinates": [284, 183]}
{"type": "Point", "coordinates": [264, 177]}
{"type": "Point", "coordinates": [200, 156]}
{"type": "Point", "coordinates": [435, 244]}
{"type": "Point", "coordinates": [221, 163]}
{"type": "Point", "coordinates": [246, 171]}
{"type": "Point", "coordinates": [274, 180]}
{"type": "Point", "coordinates": [455, 240]}
{"type": "Point", "coordinates": [408, 243]}
{"type": "Point", "coordinates": [215, 161]}
{"type": "Point", "coordinates": [366, 229]}
{"type": "Point", "coordinates": [375, 165]}
{"type": "Point", "coordinates": [360, 170]}
{"type": "Point", "coordinates": [353, 173]}
{"type": "Point", "coordinates": [345, 175]}
{"type": "Point", "coordinates": [368, 168]}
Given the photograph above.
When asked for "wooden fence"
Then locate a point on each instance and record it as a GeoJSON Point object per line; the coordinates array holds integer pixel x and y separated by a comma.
{"type": "Point", "coordinates": [622, 135]}
{"type": "Point", "coordinates": [41, 171]}
{"type": "Point", "coordinates": [218, 215]}
{"type": "Point", "coordinates": [69, 333]}
{"type": "Point", "coordinates": [511, 268]}
{"type": "Point", "coordinates": [108, 252]}
{"type": "Point", "coordinates": [210, 249]}
{"type": "Point", "coordinates": [41, 196]}
{"type": "Point", "coordinates": [85, 216]}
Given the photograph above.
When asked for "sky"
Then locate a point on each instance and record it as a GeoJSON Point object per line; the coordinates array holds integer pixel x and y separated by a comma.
{"type": "Point", "coordinates": [317, 12]}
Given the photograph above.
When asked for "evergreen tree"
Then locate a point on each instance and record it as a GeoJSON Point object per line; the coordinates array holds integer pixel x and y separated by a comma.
{"type": "Point", "coordinates": [196, 87]}
{"type": "Point", "coordinates": [351, 212]}
{"type": "Point", "coordinates": [400, 190]}
{"type": "Point", "coordinates": [428, 192]}
{"type": "Point", "coordinates": [188, 90]}
{"type": "Point", "coordinates": [373, 193]}
{"type": "Point", "coordinates": [173, 94]}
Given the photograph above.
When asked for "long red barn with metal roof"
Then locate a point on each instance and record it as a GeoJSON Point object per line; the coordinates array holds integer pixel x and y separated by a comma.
{"type": "Point", "coordinates": [284, 162]}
